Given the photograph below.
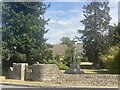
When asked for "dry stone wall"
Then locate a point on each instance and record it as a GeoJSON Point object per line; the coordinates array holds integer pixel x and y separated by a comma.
{"type": "Point", "coordinates": [44, 72]}
{"type": "Point", "coordinates": [51, 73]}
{"type": "Point", "coordinates": [89, 79]}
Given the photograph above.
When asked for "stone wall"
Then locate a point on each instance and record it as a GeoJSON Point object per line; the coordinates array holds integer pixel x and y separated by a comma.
{"type": "Point", "coordinates": [44, 72]}
{"type": "Point", "coordinates": [51, 73]}
{"type": "Point", "coordinates": [19, 71]}
{"type": "Point", "coordinates": [89, 79]}
{"type": "Point", "coordinates": [28, 73]}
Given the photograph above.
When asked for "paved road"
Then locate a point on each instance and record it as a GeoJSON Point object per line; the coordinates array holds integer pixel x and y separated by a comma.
{"type": "Point", "coordinates": [11, 87]}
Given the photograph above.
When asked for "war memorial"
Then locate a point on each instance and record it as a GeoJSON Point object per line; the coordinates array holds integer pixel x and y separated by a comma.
{"type": "Point", "coordinates": [74, 76]}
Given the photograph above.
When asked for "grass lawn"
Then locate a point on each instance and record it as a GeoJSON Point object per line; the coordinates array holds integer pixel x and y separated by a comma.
{"type": "Point", "coordinates": [93, 71]}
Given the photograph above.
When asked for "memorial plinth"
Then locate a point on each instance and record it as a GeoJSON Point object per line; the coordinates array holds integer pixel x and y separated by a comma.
{"type": "Point", "coordinates": [74, 69]}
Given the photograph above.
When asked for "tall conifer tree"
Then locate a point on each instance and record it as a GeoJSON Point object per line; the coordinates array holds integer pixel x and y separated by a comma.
{"type": "Point", "coordinates": [23, 29]}
{"type": "Point", "coordinates": [94, 36]}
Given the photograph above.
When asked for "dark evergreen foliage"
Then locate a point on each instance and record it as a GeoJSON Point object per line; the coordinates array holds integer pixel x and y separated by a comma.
{"type": "Point", "coordinates": [23, 29]}
{"type": "Point", "coordinates": [95, 34]}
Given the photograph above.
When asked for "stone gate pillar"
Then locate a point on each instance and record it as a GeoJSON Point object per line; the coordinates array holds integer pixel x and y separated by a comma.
{"type": "Point", "coordinates": [19, 70]}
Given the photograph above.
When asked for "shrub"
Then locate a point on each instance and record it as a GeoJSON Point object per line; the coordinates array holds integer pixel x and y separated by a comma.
{"type": "Point", "coordinates": [113, 65]}
{"type": "Point", "coordinates": [111, 61]}
{"type": "Point", "coordinates": [62, 66]}
{"type": "Point", "coordinates": [50, 61]}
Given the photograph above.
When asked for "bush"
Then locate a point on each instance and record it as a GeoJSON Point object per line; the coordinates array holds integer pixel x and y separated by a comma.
{"type": "Point", "coordinates": [113, 65]}
{"type": "Point", "coordinates": [62, 66]}
{"type": "Point", "coordinates": [50, 61]}
{"type": "Point", "coordinates": [56, 60]}
{"type": "Point", "coordinates": [111, 61]}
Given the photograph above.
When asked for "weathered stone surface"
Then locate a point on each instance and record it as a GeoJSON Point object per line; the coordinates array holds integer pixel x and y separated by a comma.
{"type": "Point", "coordinates": [74, 69]}
{"type": "Point", "coordinates": [2, 78]}
{"type": "Point", "coordinates": [89, 79]}
{"type": "Point", "coordinates": [44, 72]}
{"type": "Point", "coordinates": [28, 73]}
{"type": "Point", "coordinates": [10, 72]}
{"type": "Point", "coordinates": [51, 73]}
{"type": "Point", "coordinates": [19, 70]}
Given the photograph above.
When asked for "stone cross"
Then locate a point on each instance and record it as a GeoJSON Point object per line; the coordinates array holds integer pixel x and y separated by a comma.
{"type": "Point", "coordinates": [74, 52]}
{"type": "Point", "coordinates": [74, 68]}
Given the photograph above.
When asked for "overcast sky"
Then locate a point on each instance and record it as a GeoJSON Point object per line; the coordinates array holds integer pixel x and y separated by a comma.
{"type": "Point", "coordinates": [65, 19]}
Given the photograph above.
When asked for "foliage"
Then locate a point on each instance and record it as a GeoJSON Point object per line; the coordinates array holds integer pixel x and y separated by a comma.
{"type": "Point", "coordinates": [67, 41]}
{"type": "Point", "coordinates": [116, 35]}
{"type": "Point", "coordinates": [23, 30]}
{"type": "Point", "coordinates": [62, 66]}
{"type": "Point", "coordinates": [112, 59]}
{"type": "Point", "coordinates": [50, 61]}
{"type": "Point", "coordinates": [94, 36]}
{"type": "Point", "coordinates": [68, 58]}
{"type": "Point", "coordinates": [56, 60]}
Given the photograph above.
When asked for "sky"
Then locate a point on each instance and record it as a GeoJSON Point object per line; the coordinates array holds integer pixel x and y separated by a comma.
{"type": "Point", "coordinates": [65, 19]}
